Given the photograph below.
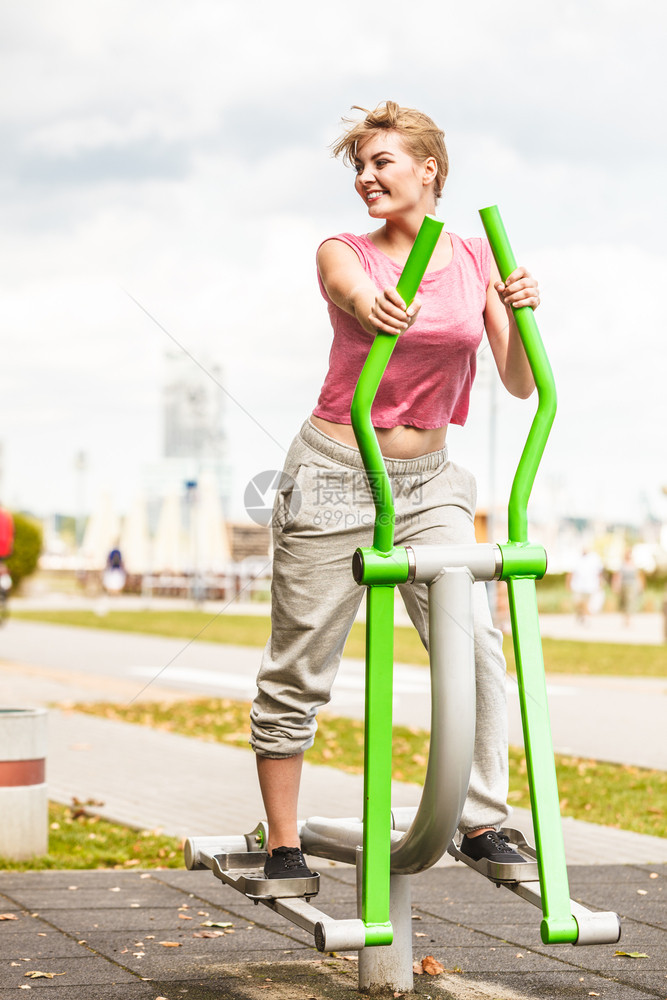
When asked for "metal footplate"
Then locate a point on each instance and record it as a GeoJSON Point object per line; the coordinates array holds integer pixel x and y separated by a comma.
{"type": "Point", "coordinates": [237, 862]}
{"type": "Point", "coordinates": [501, 873]}
{"type": "Point", "coordinates": [593, 926]}
{"type": "Point", "coordinates": [245, 872]}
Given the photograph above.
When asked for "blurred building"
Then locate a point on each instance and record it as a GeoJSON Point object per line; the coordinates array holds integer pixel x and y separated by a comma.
{"type": "Point", "coordinates": [194, 443]}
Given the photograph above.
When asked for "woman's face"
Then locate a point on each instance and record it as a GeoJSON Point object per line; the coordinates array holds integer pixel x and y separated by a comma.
{"type": "Point", "coordinates": [389, 180]}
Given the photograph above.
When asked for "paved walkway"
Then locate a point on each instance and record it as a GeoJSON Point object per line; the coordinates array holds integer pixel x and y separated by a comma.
{"type": "Point", "coordinates": [187, 787]}
{"type": "Point", "coordinates": [139, 936]}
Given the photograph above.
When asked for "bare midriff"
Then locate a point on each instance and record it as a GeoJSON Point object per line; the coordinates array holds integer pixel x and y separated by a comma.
{"type": "Point", "coordinates": [395, 442]}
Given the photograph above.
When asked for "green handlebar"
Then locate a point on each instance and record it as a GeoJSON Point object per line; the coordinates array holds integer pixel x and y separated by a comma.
{"type": "Point", "coordinates": [369, 381]}
{"type": "Point", "coordinates": [544, 380]}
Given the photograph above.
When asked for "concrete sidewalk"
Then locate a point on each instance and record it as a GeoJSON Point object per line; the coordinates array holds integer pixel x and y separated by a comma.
{"type": "Point", "coordinates": [148, 778]}
{"type": "Point", "coordinates": [140, 936]}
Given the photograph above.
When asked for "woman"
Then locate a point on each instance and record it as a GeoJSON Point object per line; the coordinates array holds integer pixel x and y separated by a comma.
{"type": "Point", "coordinates": [401, 164]}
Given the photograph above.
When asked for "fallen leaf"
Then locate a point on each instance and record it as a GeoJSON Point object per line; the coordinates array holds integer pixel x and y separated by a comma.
{"type": "Point", "coordinates": [216, 923]}
{"type": "Point", "coordinates": [642, 892]}
{"type": "Point", "coordinates": [417, 969]}
{"type": "Point", "coordinates": [654, 875]}
{"type": "Point", "coordinates": [184, 916]}
{"type": "Point", "coordinates": [24, 986]}
{"type": "Point", "coordinates": [431, 966]}
{"type": "Point", "coordinates": [170, 944]}
{"type": "Point", "coordinates": [631, 954]}
{"type": "Point", "coordinates": [208, 934]}
{"type": "Point", "coordinates": [14, 963]}
{"type": "Point", "coordinates": [592, 993]}
{"type": "Point", "coordinates": [43, 975]}
{"type": "Point", "coordinates": [349, 958]}
{"type": "Point", "coordinates": [116, 888]}
{"type": "Point", "coordinates": [420, 934]}
{"type": "Point", "coordinates": [8, 916]}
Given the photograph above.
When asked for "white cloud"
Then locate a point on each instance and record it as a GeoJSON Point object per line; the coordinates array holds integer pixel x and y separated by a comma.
{"type": "Point", "coordinates": [179, 151]}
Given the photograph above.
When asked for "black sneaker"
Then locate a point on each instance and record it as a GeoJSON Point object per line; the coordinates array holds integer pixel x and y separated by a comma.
{"type": "Point", "coordinates": [287, 862]}
{"type": "Point", "coordinates": [491, 846]}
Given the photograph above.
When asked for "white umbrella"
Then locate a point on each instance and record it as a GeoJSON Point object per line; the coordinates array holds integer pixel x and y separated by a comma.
{"type": "Point", "coordinates": [134, 542]}
{"type": "Point", "coordinates": [101, 534]}
{"type": "Point", "coordinates": [213, 552]}
{"type": "Point", "coordinates": [170, 550]}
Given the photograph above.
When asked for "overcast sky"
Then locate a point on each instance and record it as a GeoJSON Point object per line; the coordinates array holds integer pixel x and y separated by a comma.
{"type": "Point", "coordinates": [178, 152]}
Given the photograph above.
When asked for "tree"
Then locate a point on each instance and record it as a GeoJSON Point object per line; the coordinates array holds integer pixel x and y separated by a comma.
{"type": "Point", "coordinates": [27, 549]}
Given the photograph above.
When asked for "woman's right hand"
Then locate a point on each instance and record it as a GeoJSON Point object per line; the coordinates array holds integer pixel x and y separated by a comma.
{"type": "Point", "coordinates": [389, 315]}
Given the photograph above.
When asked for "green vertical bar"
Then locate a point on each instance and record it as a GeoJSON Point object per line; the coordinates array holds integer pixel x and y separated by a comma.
{"type": "Point", "coordinates": [378, 480]}
{"type": "Point", "coordinates": [369, 381]}
{"type": "Point", "coordinates": [378, 754]}
{"type": "Point", "coordinates": [544, 380]}
{"type": "Point", "coordinates": [558, 924]}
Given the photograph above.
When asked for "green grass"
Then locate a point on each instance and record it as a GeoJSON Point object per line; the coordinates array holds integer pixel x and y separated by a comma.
{"type": "Point", "coordinates": [629, 798]}
{"type": "Point", "coordinates": [79, 838]}
{"type": "Point", "coordinates": [560, 655]}
{"type": "Point", "coordinates": [241, 630]}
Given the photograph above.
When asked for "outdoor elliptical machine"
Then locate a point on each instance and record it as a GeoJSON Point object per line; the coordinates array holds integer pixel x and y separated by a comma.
{"type": "Point", "coordinates": [387, 846]}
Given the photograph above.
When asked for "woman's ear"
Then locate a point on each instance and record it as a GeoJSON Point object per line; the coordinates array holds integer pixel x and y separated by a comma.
{"type": "Point", "coordinates": [430, 168]}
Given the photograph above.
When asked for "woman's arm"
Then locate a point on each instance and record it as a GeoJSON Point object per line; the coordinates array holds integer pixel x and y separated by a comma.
{"type": "Point", "coordinates": [348, 285]}
{"type": "Point", "coordinates": [520, 289]}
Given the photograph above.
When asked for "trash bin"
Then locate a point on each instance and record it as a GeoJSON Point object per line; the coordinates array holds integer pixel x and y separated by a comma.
{"type": "Point", "coordinates": [23, 794]}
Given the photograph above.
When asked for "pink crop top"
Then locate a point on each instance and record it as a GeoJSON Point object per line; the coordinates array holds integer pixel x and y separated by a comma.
{"type": "Point", "coordinates": [429, 376]}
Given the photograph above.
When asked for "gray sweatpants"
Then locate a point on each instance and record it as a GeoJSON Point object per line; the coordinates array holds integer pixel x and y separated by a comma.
{"type": "Point", "coordinates": [322, 513]}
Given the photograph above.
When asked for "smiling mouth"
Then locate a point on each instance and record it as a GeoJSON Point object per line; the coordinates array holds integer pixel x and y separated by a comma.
{"type": "Point", "coordinates": [374, 195]}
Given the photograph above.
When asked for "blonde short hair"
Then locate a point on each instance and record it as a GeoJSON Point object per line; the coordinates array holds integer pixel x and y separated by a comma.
{"type": "Point", "coordinates": [421, 136]}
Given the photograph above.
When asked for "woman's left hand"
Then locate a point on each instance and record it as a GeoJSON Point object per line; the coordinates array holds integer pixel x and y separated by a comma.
{"type": "Point", "coordinates": [519, 290]}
